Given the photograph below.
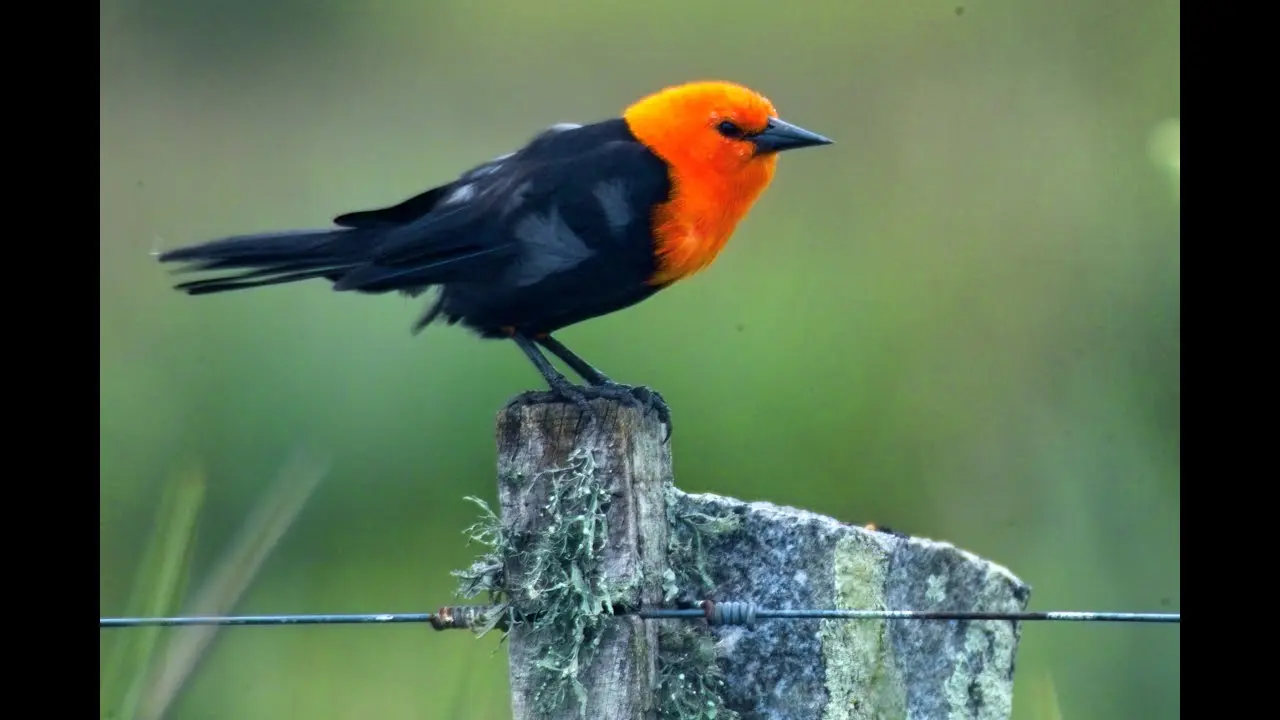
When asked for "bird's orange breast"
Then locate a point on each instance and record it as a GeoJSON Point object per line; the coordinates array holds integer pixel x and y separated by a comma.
{"type": "Point", "coordinates": [693, 226]}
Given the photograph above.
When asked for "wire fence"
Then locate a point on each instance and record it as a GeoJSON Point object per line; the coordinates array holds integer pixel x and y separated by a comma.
{"type": "Point", "coordinates": [747, 614]}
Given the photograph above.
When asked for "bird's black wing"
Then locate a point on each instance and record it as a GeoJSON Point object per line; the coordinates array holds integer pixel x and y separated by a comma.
{"type": "Point", "coordinates": [419, 205]}
{"type": "Point", "coordinates": [480, 229]}
{"type": "Point", "coordinates": [578, 225]}
{"type": "Point", "coordinates": [486, 222]}
{"type": "Point", "coordinates": [407, 211]}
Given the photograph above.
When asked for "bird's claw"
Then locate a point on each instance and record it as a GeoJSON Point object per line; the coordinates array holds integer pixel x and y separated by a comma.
{"type": "Point", "coordinates": [575, 396]}
{"type": "Point", "coordinates": [645, 399]}
{"type": "Point", "coordinates": [640, 397]}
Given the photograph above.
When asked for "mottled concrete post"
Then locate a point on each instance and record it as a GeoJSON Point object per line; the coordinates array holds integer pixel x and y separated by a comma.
{"type": "Point", "coordinates": [845, 669]}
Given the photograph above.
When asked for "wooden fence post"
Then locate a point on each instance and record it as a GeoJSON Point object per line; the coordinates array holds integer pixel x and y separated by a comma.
{"type": "Point", "coordinates": [585, 519]}
{"type": "Point", "coordinates": [591, 522]}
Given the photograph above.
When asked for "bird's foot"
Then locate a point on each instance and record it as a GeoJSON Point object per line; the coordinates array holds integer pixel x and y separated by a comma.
{"type": "Point", "coordinates": [563, 391]}
{"type": "Point", "coordinates": [645, 399]}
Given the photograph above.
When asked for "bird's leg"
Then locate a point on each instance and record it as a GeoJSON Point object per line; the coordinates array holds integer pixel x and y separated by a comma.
{"type": "Point", "coordinates": [570, 358]}
{"type": "Point", "coordinates": [559, 384]}
{"type": "Point", "coordinates": [602, 387]}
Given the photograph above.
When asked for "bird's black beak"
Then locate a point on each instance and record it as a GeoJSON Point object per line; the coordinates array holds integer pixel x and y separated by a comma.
{"type": "Point", "coordinates": [780, 135]}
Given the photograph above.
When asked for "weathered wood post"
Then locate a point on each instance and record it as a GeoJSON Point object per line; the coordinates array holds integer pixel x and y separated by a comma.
{"type": "Point", "coordinates": [592, 523]}
{"type": "Point", "coordinates": [586, 520]}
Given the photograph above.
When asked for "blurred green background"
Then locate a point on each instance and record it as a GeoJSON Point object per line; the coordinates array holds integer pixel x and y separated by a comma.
{"type": "Point", "coordinates": [962, 320]}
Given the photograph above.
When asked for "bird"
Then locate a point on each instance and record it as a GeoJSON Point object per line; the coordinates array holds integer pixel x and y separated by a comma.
{"type": "Point", "coordinates": [582, 221]}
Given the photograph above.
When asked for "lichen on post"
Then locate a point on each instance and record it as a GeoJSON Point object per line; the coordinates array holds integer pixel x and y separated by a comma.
{"type": "Point", "coordinates": [583, 517]}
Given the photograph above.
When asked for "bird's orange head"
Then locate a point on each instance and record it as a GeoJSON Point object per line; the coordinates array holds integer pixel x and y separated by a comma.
{"type": "Point", "coordinates": [721, 142]}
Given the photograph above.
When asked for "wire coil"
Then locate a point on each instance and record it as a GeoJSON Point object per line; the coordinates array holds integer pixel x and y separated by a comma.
{"type": "Point", "coordinates": [730, 613]}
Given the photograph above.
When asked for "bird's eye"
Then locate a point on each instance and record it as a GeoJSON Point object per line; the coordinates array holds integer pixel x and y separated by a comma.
{"type": "Point", "coordinates": [730, 129]}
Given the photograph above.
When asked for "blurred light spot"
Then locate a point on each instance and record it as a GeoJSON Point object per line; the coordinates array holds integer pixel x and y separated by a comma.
{"type": "Point", "coordinates": [1165, 149]}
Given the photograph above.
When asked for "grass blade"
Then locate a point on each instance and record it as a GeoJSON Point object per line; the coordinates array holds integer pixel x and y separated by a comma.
{"type": "Point", "coordinates": [159, 584]}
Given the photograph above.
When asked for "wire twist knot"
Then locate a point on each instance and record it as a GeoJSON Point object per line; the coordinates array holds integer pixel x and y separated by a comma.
{"type": "Point", "coordinates": [730, 613]}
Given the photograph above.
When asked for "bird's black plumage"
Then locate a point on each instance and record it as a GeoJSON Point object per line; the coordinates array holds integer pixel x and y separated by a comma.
{"type": "Point", "coordinates": [518, 247]}
{"type": "Point", "coordinates": [553, 234]}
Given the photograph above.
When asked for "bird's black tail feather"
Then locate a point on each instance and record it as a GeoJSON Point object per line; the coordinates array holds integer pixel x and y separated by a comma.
{"type": "Point", "coordinates": [270, 258]}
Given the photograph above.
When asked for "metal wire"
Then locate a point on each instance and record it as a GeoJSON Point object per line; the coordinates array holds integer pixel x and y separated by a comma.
{"type": "Point", "coordinates": [746, 613]}
{"type": "Point", "coordinates": [715, 613]}
{"type": "Point", "coordinates": [372, 619]}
